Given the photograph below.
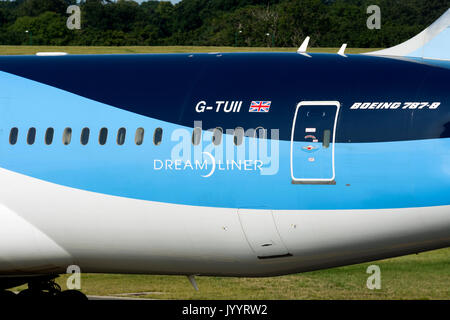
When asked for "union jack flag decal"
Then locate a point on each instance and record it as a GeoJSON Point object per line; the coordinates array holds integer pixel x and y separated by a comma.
{"type": "Point", "coordinates": [260, 106]}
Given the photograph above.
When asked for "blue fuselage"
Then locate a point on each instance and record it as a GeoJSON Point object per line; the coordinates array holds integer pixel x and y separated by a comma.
{"type": "Point", "coordinates": [389, 146]}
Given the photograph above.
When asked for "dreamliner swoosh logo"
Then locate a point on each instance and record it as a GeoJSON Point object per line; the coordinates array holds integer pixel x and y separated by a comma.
{"type": "Point", "coordinates": [213, 167]}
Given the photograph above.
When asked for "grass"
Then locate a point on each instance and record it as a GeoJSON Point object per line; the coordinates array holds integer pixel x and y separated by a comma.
{"type": "Point", "coordinates": [20, 50]}
{"type": "Point", "coordinates": [423, 276]}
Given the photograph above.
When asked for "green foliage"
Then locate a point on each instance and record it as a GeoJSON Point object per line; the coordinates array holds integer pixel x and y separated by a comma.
{"type": "Point", "coordinates": [281, 23]}
{"type": "Point", "coordinates": [35, 8]}
{"type": "Point", "coordinates": [47, 28]}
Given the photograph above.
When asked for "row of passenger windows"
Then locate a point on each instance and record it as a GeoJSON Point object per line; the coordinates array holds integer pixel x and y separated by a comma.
{"type": "Point", "coordinates": [85, 134]}
{"type": "Point", "coordinates": [238, 138]}
{"type": "Point", "coordinates": [121, 134]}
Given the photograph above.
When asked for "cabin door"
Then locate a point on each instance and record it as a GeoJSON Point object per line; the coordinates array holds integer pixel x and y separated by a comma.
{"type": "Point", "coordinates": [312, 142]}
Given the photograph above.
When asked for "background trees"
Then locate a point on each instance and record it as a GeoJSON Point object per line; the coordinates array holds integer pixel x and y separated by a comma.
{"type": "Point", "coordinates": [216, 22]}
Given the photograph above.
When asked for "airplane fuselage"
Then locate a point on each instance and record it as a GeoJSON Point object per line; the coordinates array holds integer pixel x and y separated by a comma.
{"type": "Point", "coordinates": [221, 164]}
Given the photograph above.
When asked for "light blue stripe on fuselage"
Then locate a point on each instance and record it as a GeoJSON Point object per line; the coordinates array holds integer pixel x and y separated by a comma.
{"type": "Point", "coordinates": [368, 175]}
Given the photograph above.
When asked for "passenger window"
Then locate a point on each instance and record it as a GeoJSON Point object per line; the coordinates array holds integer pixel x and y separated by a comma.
{"type": "Point", "coordinates": [139, 137]}
{"type": "Point", "coordinates": [31, 136]}
{"type": "Point", "coordinates": [157, 136]}
{"type": "Point", "coordinates": [49, 136]}
{"type": "Point", "coordinates": [85, 136]}
{"type": "Point", "coordinates": [260, 133]}
{"type": "Point", "coordinates": [13, 135]}
{"type": "Point", "coordinates": [217, 136]}
{"type": "Point", "coordinates": [103, 136]}
{"type": "Point", "coordinates": [196, 136]}
{"type": "Point", "coordinates": [238, 136]}
{"type": "Point", "coordinates": [67, 136]}
{"type": "Point", "coordinates": [121, 136]}
{"type": "Point", "coordinates": [326, 138]}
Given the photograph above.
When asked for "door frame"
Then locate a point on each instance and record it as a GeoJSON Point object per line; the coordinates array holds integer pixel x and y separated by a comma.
{"type": "Point", "coordinates": [318, 180]}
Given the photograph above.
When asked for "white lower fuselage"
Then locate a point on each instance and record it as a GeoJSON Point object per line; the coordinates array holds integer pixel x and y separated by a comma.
{"type": "Point", "coordinates": [47, 227]}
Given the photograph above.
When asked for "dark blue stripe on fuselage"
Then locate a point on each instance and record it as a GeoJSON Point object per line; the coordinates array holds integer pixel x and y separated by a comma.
{"type": "Point", "coordinates": [167, 87]}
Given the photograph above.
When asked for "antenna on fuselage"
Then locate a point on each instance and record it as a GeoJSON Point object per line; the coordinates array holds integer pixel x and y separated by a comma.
{"type": "Point", "coordinates": [304, 47]}
{"type": "Point", "coordinates": [193, 282]}
{"type": "Point", "coordinates": [341, 51]}
{"type": "Point", "coordinates": [50, 54]}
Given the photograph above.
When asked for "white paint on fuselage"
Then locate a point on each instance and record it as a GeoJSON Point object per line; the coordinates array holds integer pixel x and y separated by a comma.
{"type": "Point", "coordinates": [109, 234]}
{"type": "Point", "coordinates": [24, 248]}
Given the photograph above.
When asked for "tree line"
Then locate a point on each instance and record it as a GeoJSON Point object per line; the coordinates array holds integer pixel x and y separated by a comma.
{"type": "Point", "coordinates": [281, 23]}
